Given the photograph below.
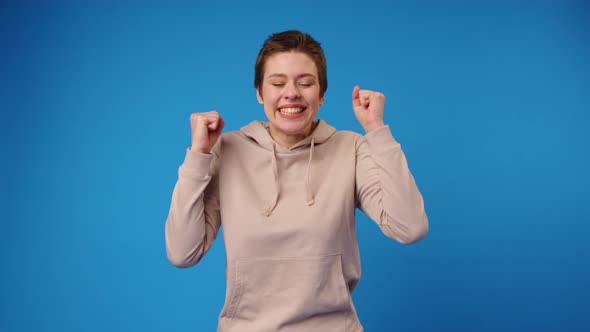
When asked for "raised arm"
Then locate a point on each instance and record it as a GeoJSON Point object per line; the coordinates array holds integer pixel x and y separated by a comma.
{"type": "Point", "coordinates": [193, 220]}
{"type": "Point", "coordinates": [385, 188]}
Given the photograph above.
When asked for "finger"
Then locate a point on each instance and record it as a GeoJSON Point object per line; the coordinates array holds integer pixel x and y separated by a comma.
{"type": "Point", "coordinates": [364, 97]}
{"type": "Point", "coordinates": [216, 130]}
{"type": "Point", "coordinates": [218, 127]}
{"type": "Point", "coordinates": [355, 96]}
{"type": "Point", "coordinates": [212, 125]}
{"type": "Point", "coordinates": [213, 122]}
{"type": "Point", "coordinates": [365, 101]}
{"type": "Point", "coordinates": [205, 117]}
{"type": "Point", "coordinates": [217, 124]}
{"type": "Point", "coordinates": [211, 117]}
{"type": "Point", "coordinates": [202, 121]}
{"type": "Point", "coordinates": [201, 118]}
{"type": "Point", "coordinates": [210, 114]}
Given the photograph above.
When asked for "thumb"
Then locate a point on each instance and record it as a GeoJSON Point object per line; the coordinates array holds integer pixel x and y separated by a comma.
{"type": "Point", "coordinates": [212, 125]}
{"type": "Point", "coordinates": [356, 101]}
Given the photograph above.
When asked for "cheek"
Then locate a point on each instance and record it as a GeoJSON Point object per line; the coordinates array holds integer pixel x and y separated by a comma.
{"type": "Point", "coordinates": [268, 96]}
{"type": "Point", "coordinates": [269, 103]}
{"type": "Point", "coordinates": [314, 99]}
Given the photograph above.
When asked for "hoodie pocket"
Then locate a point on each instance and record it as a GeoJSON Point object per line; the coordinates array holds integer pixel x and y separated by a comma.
{"type": "Point", "coordinates": [283, 292]}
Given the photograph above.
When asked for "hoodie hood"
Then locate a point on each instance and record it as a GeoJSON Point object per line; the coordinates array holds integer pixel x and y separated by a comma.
{"type": "Point", "coordinates": [259, 132]}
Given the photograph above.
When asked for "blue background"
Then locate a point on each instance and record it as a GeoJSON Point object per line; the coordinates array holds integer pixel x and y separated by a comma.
{"type": "Point", "coordinates": [490, 101]}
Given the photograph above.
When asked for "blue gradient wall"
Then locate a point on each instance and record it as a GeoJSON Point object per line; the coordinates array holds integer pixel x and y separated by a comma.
{"type": "Point", "coordinates": [490, 101]}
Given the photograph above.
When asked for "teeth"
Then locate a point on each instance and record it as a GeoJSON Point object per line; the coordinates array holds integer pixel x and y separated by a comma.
{"type": "Point", "coordinates": [291, 110]}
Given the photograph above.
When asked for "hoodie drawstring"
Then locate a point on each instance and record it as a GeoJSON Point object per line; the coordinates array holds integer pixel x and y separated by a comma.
{"type": "Point", "coordinates": [310, 199]}
{"type": "Point", "coordinates": [275, 172]}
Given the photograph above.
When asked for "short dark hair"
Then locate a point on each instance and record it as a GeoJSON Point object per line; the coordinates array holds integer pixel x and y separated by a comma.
{"type": "Point", "coordinates": [292, 41]}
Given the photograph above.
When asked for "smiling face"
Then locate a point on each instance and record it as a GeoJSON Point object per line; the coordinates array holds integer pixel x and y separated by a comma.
{"type": "Point", "coordinates": [290, 93]}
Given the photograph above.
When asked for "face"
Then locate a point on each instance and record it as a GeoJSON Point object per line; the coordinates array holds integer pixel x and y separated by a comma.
{"type": "Point", "coordinates": [290, 93]}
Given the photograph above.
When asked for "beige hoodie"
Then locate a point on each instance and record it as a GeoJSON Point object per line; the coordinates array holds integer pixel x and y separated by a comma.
{"type": "Point", "coordinates": [288, 221]}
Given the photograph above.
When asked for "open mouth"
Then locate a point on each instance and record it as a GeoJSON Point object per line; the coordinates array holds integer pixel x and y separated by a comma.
{"type": "Point", "coordinates": [291, 110]}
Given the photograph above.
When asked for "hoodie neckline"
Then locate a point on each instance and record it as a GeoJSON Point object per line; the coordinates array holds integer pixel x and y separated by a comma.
{"type": "Point", "coordinates": [258, 131]}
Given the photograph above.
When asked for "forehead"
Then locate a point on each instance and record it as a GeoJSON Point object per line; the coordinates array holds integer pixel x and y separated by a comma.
{"type": "Point", "coordinates": [290, 64]}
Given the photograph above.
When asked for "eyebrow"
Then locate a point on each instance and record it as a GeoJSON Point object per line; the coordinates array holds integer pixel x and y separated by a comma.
{"type": "Point", "coordinates": [284, 75]}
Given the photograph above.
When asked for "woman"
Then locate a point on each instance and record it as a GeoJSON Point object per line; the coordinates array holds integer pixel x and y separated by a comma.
{"type": "Point", "coordinates": [285, 192]}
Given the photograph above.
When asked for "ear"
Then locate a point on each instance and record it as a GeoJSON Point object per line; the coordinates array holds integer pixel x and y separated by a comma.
{"type": "Point", "coordinates": [321, 100]}
{"type": "Point", "coordinates": [259, 96]}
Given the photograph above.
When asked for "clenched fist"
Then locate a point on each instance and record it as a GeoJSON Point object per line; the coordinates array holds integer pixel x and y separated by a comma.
{"type": "Point", "coordinates": [205, 130]}
{"type": "Point", "coordinates": [368, 107]}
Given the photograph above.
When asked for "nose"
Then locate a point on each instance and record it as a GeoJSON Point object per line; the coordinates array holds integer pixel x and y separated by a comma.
{"type": "Point", "coordinates": [292, 91]}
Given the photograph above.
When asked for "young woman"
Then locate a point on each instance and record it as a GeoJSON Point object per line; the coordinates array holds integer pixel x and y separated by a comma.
{"type": "Point", "coordinates": [285, 192]}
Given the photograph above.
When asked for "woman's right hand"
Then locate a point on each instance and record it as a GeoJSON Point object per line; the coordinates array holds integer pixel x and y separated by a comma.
{"type": "Point", "coordinates": [205, 130]}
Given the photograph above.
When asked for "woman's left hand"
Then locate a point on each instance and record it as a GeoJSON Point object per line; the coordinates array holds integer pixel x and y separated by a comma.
{"type": "Point", "coordinates": [368, 107]}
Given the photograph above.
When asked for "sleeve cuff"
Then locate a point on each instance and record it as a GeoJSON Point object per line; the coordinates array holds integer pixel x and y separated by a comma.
{"type": "Point", "coordinates": [381, 139]}
{"type": "Point", "coordinates": [195, 165]}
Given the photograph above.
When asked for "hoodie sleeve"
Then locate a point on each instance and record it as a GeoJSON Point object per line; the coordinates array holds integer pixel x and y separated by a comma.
{"type": "Point", "coordinates": [193, 220]}
{"type": "Point", "coordinates": [386, 190]}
